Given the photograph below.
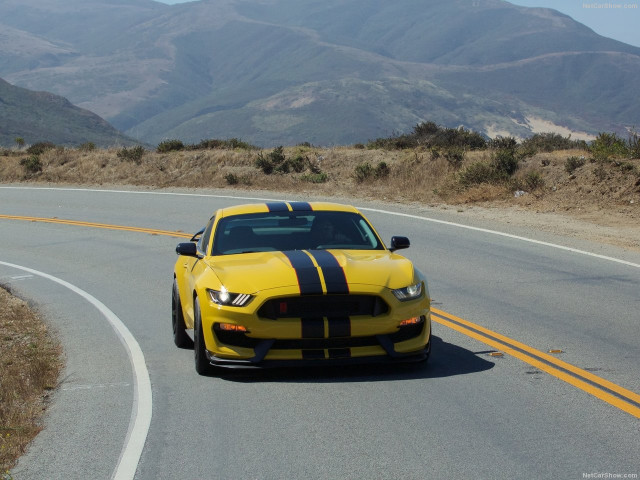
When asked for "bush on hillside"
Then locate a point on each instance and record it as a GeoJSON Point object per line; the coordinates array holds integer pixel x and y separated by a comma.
{"type": "Point", "coordinates": [170, 146]}
{"type": "Point", "coordinates": [133, 154]}
{"type": "Point", "coordinates": [550, 142]}
{"type": "Point", "coordinates": [455, 157]}
{"type": "Point", "coordinates": [87, 147]}
{"type": "Point", "coordinates": [476, 174]}
{"type": "Point", "coordinates": [607, 146]}
{"type": "Point", "coordinates": [32, 164]}
{"type": "Point", "coordinates": [633, 144]}
{"type": "Point", "coordinates": [230, 144]}
{"type": "Point", "coordinates": [365, 171]}
{"type": "Point", "coordinates": [573, 163]}
{"type": "Point", "coordinates": [40, 147]}
{"type": "Point", "coordinates": [274, 161]}
{"type": "Point", "coordinates": [429, 135]}
{"type": "Point", "coordinates": [501, 143]}
{"type": "Point", "coordinates": [505, 162]}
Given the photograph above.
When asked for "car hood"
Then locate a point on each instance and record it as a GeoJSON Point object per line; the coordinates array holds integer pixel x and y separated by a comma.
{"type": "Point", "coordinates": [315, 271]}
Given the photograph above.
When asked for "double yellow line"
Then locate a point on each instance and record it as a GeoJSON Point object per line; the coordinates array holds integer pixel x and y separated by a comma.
{"type": "Point", "coordinates": [606, 391]}
{"type": "Point", "coordinates": [76, 223]}
{"type": "Point", "coordinates": [609, 392]}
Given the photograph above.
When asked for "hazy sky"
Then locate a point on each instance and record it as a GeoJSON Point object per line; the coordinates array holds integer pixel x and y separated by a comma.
{"type": "Point", "coordinates": [619, 19]}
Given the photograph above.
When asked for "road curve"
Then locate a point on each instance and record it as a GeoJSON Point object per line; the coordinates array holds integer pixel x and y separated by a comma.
{"type": "Point", "coordinates": [467, 414]}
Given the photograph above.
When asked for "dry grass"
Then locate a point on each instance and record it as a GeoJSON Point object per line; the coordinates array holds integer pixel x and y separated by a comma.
{"type": "Point", "coordinates": [414, 175]}
{"type": "Point", "coordinates": [30, 361]}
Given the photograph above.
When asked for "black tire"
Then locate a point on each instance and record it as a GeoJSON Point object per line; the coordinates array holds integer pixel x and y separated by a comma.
{"type": "Point", "coordinates": [427, 350]}
{"type": "Point", "coordinates": [180, 337]}
{"type": "Point", "coordinates": [203, 367]}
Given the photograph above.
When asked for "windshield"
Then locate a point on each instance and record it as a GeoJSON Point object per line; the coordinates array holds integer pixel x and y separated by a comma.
{"type": "Point", "coordinates": [281, 231]}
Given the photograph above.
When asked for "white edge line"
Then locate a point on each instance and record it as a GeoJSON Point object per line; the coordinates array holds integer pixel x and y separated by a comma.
{"type": "Point", "coordinates": [142, 397]}
{"type": "Point", "coordinates": [387, 212]}
{"type": "Point", "coordinates": [507, 235]}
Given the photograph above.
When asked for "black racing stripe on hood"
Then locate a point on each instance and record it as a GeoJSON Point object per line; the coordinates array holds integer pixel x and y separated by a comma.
{"type": "Point", "coordinates": [277, 207]}
{"type": "Point", "coordinates": [334, 276]}
{"type": "Point", "coordinates": [308, 276]}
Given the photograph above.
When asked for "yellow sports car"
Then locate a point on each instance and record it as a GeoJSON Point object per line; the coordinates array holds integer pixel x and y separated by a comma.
{"type": "Point", "coordinates": [287, 283]}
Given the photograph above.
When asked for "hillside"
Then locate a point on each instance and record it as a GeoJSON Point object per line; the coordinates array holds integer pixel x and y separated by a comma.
{"type": "Point", "coordinates": [595, 191]}
{"type": "Point", "coordinates": [42, 116]}
{"type": "Point", "coordinates": [326, 72]}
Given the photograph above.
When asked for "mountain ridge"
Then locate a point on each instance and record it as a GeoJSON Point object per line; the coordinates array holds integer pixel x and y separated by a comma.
{"type": "Point", "coordinates": [220, 68]}
{"type": "Point", "coordinates": [45, 117]}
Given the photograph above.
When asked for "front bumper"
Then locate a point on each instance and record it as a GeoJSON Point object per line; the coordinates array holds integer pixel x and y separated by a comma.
{"type": "Point", "coordinates": [320, 330]}
{"type": "Point", "coordinates": [258, 362]}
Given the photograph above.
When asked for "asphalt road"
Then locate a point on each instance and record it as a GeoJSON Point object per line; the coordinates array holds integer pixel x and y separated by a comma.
{"type": "Point", "coordinates": [466, 414]}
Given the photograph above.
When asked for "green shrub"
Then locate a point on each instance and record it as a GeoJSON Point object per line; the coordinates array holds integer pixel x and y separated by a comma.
{"type": "Point", "coordinates": [633, 144]}
{"type": "Point", "coordinates": [315, 177]}
{"type": "Point", "coordinates": [234, 143]}
{"type": "Point", "coordinates": [363, 172]}
{"type": "Point", "coordinates": [550, 142]}
{"type": "Point", "coordinates": [32, 164]}
{"type": "Point", "coordinates": [382, 170]}
{"type": "Point", "coordinates": [477, 173]}
{"type": "Point", "coordinates": [607, 146]}
{"type": "Point", "coordinates": [600, 172]}
{"type": "Point", "coordinates": [40, 147]}
{"type": "Point", "coordinates": [455, 157]}
{"type": "Point", "coordinates": [264, 164]}
{"type": "Point", "coordinates": [573, 163]}
{"type": "Point", "coordinates": [274, 161]}
{"type": "Point", "coordinates": [230, 144]}
{"type": "Point", "coordinates": [87, 147]}
{"type": "Point", "coordinates": [429, 134]}
{"type": "Point", "coordinates": [298, 164]}
{"type": "Point", "coordinates": [170, 146]}
{"type": "Point", "coordinates": [500, 143]}
{"type": "Point", "coordinates": [133, 154]}
{"type": "Point", "coordinates": [533, 181]}
{"type": "Point", "coordinates": [231, 179]}
{"type": "Point", "coordinates": [505, 162]}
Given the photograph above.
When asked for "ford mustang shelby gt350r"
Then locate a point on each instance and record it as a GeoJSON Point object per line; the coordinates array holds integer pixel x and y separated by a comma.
{"type": "Point", "coordinates": [286, 283]}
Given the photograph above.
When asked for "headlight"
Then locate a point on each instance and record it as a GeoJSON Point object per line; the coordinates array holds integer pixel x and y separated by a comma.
{"type": "Point", "coordinates": [408, 293]}
{"type": "Point", "coordinates": [223, 297]}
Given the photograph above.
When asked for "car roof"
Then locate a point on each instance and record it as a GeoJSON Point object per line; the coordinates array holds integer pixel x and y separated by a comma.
{"type": "Point", "coordinates": [281, 206]}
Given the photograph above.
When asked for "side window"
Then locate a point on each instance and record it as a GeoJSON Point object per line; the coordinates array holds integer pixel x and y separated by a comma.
{"type": "Point", "coordinates": [206, 236]}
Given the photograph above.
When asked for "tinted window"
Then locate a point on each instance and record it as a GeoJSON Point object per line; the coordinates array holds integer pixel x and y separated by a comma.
{"type": "Point", "coordinates": [259, 232]}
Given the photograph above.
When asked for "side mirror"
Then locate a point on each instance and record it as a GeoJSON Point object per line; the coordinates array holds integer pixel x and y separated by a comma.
{"type": "Point", "coordinates": [188, 249]}
{"type": "Point", "coordinates": [398, 243]}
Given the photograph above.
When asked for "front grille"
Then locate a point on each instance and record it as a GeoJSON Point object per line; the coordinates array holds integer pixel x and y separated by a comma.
{"type": "Point", "coordinates": [323, 306]}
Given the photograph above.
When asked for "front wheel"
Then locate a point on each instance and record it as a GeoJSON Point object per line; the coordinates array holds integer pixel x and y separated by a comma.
{"type": "Point", "coordinates": [180, 337]}
{"type": "Point", "coordinates": [203, 367]}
